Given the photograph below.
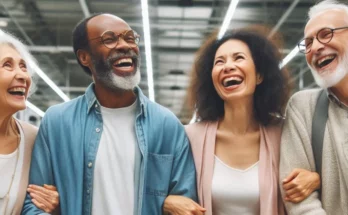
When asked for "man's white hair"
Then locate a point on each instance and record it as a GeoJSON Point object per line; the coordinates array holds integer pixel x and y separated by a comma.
{"type": "Point", "coordinates": [327, 5]}
{"type": "Point", "coordinates": [8, 39]}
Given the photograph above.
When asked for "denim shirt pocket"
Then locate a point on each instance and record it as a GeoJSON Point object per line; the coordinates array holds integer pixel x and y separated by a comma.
{"type": "Point", "coordinates": [159, 168]}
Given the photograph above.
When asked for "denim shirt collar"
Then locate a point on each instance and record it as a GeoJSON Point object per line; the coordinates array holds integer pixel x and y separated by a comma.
{"type": "Point", "coordinates": [92, 101]}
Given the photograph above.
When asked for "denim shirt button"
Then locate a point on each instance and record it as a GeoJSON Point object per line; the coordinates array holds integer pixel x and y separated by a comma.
{"type": "Point", "coordinates": [90, 164]}
{"type": "Point", "coordinates": [87, 191]}
{"type": "Point", "coordinates": [96, 105]}
{"type": "Point", "coordinates": [97, 130]}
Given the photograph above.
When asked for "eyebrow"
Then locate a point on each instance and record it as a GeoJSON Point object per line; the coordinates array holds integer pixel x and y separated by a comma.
{"type": "Point", "coordinates": [21, 60]}
{"type": "Point", "coordinates": [233, 54]}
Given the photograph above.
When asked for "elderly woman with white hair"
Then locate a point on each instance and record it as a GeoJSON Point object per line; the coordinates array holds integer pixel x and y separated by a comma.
{"type": "Point", "coordinates": [17, 137]}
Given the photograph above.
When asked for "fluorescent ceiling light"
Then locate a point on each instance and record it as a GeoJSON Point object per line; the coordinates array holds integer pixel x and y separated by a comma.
{"type": "Point", "coordinates": [84, 8]}
{"type": "Point", "coordinates": [148, 54]}
{"type": "Point", "coordinates": [228, 17]}
{"type": "Point", "coordinates": [3, 23]}
{"type": "Point", "coordinates": [48, 81]}
{"type": "Point", "coordinates": [35, 109]}
{"type": "Point", "coordinates": [289, 57]}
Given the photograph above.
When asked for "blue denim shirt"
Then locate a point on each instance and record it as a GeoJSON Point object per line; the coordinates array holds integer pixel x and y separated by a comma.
{"type": "Point", "coordinates": [67, 143]}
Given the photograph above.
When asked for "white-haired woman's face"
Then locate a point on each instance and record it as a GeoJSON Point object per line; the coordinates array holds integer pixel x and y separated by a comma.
{"type": "Point", "coordinates": [15, 80]}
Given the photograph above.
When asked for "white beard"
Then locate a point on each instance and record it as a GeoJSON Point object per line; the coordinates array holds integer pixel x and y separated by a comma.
{"type": "Point", "coordinates": [126, 82]}
{"type": "Point", "coordinates": [333, 77]}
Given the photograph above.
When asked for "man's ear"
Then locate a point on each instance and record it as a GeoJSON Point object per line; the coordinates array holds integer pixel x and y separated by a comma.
{"type": "Point", "coordinates": [84, 57]}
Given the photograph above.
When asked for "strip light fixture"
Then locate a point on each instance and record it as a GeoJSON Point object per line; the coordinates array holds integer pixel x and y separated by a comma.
{"type": "Point", "coordinates": [289, 57]}
{"type": "Point", "coordinates": [228, 17]}
{"type": "Point", "coordinates": [148, 54]}
{"type": "Point", "coordinates": [84, 8]}
{"type": "Point", "coordinates": [48, 81]}
{"type": "Point", "coordinates": [35, 109]}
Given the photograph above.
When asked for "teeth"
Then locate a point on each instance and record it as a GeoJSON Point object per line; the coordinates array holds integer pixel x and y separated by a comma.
{"type": "Point", "coordinates": [233, 78]}
{"type": "Point", "coordinates": [124, 60]}
{"type": "Point", "coordinates": [17, 89]}
{"type": "Point", "coordinates": [325, 58]}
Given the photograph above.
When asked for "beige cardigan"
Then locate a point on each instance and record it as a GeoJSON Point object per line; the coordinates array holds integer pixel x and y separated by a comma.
{"type": "Point", "coordinates": [29, 138]}
{"type": "Point", "coordinates": [296, 152]}
{"type": "Point", "coordinates": [202, 138]}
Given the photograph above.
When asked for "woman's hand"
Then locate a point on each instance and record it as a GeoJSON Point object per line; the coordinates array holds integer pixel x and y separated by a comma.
{"type": "Point", "coordinates": [46, 198]}
{"type": "Point", "coordinates": [299, 184]}
{"type": "Point", "coordinates": [181, 205]}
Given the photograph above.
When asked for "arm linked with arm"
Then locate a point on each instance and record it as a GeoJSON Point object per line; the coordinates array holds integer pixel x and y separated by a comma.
{"type": "Point", "coordinates": [296, 152]}
{"type": "Point", "coordinates": [40, 169]}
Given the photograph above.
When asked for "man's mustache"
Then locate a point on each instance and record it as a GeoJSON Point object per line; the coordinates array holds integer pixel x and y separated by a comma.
{"type": "Point", "coordinates": [118, 55]}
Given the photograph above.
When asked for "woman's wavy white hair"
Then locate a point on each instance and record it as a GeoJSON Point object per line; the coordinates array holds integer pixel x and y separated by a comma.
{"type": "Point", "coordinates": [327, 5]}
{"type": "Point", "coordinates": [10, 40]}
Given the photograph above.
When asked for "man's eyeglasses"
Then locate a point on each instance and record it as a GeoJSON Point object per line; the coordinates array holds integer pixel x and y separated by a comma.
{"type": "Point", "coordinates": [323, 36]}
{"type": "Point", "coordinates": [110, 39]}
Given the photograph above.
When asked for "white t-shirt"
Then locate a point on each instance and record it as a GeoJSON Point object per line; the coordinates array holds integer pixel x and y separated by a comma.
{"type": "Point", "coordinates": [235, 191]}
{"type": "Point", "coordinates": [116, 171]}
{"type": "Point", "coordinates": [7, 166]}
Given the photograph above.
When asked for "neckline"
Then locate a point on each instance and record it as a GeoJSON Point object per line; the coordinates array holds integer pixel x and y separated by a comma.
{"type": "Point", "coordinates": [127, 109]}
{"type": "Point", "coordinates": [235, 169]}
{"type": "Point", "coordinates": [11, 155]}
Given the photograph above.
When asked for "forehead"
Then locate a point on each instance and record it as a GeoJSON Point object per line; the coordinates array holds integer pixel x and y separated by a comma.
{"type": "Point", "coordinates": [105, 22]}
{"type": "Point", "coordinates": [327, 19]}
{"type": "Point", "coordinates": [232, 46]}
{"type": "Point", "coordinates": [8, 51]}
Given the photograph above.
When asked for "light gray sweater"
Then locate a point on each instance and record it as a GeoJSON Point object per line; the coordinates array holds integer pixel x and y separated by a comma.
{"type": "Point", "coordinates": [296, 152]}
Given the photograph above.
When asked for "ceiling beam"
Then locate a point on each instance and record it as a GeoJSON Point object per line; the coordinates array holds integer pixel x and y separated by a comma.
{"type": "Point", "coordinates": [283, 18]}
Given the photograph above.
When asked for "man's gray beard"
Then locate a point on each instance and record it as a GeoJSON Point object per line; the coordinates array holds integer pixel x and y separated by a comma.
{"type": "Point", "coordinates": [113, 81]}
{"type": "Point", "coordinates": [332, 78]}
{"type": "Point", "coordinates": [116, 82]}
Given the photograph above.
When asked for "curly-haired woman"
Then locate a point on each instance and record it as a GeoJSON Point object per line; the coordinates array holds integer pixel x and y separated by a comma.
{"type": "Point", "coordinates": [239, 93]}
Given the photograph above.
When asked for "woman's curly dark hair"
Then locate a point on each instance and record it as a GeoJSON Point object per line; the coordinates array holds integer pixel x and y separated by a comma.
{"type": "Point", "coordinates": [270, 96]}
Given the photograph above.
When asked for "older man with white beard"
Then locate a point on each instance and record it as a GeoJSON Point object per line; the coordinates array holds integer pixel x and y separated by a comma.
{"type": "Point", "coordinates": [326, 49]}
{"type": "Point", "coordinates": [111, 150]}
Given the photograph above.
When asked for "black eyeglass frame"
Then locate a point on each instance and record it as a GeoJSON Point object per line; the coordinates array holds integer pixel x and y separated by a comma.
{"type": "Point", "coordinates": [118, 36]}
{"type": "Point", "coordinates": [305, 51]}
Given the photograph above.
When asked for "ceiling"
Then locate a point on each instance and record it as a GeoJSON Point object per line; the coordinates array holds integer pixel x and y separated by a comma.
{"type": "Point", "coordinates": [177, 27]}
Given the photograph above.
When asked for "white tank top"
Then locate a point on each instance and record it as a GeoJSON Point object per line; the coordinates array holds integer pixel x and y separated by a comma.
{"type": "Point", "coordinates": [235, 191]}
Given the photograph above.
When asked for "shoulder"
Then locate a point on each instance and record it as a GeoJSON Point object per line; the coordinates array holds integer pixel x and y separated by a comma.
{"type": "Point", "coordinates": [161, 114]}
{"type": "Point", "coordinates": [304, 98]}
{"type": "Point", "coordinates": [28, 128]}
{"type": "Point", "coordinates": [302, 104]}
{"type": "Point", "coordinates": [195, 128]}
{"type": "Point", "coordinates": [199, 131]}
{"type": "Point", "coordinates": [66, 109]}
{"type": "Point", "coordinates": [29, 132]}
{"type": "Point", "coordinates": [274, 130]}
{"type": "Point", "coordinates": [273, 134]}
